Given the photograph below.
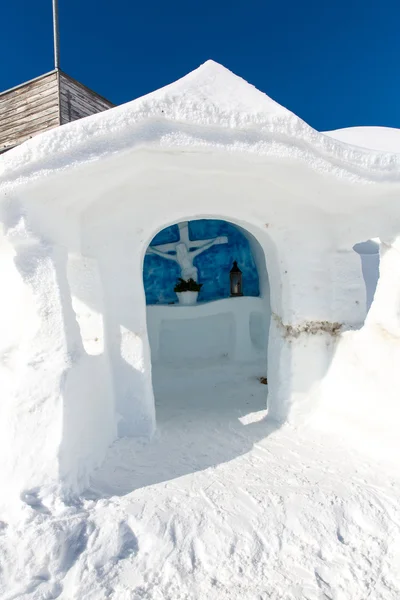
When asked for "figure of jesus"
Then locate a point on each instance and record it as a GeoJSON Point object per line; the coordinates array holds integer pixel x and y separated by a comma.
{"type": "Point", "coordinates": [183, 253]}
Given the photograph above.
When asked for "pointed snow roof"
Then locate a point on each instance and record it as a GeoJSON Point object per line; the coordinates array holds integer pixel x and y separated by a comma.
{"type": "Point", "coordinates": [210, 108]}
{"type": "Point", "coordinates": [212, 88]}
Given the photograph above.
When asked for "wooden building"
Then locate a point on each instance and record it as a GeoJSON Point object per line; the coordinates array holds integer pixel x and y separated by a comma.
{"type": "Point", "coordinates": [43, 103]}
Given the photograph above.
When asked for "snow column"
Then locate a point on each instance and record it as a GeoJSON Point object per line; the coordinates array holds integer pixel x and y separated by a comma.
{"type": "Point", "coordinates": [126, 339]}
{"type": "Point", "coordinates": [89, 424]}
{"type": "Point", "coordinates": [57, 414]}
{"type": "Point", "coordinates": [302, 332]}
{"type": "Point", "coordinates": [35, 357]}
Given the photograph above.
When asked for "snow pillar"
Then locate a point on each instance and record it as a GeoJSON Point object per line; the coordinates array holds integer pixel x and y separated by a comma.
{"type": "Point", "coordinates": [126, 338]}
{"type": "Point", "coordinates": [57, 412]}
{"type": "Point", "coordinates": [297, 362]}
{"type": "Point", "coordinates": [89, 422]}
{"type": "Point", "coordinates": [301, 333]}
{"type": "Point", "coordinates": [35, 357]}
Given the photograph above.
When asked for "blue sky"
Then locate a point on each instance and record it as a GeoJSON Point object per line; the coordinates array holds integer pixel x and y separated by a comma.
{"type": "Point", "coordinates": [334, 63]}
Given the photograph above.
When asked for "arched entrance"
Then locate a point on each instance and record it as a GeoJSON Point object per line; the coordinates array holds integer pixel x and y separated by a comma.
{"type": "Point", "coordinates": [208, 343]}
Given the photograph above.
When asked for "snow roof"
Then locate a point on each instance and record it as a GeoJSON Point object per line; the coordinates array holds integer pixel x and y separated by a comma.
{"type": "Point", "coordinates": [209, 109]}
{"type": "Point", "coordinates": [212, 87]}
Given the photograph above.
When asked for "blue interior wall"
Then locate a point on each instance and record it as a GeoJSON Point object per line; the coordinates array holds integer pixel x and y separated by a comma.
{"type": "Point", "coordinates": [160, 275]}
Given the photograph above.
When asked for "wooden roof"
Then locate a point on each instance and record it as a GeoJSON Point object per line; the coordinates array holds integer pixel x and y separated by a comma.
{"type": "Point", "coordinates": [48, 101]}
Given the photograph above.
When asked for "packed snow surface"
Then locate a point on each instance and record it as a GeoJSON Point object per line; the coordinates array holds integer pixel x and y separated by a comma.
{"type": "Point", "coordinates": [383, 139]}
{"type": "Point", "coordinates": [219, 505]}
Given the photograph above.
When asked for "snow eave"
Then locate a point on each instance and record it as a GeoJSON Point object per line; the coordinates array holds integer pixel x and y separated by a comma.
{"type": "Point", "coordinates": [168, 124]}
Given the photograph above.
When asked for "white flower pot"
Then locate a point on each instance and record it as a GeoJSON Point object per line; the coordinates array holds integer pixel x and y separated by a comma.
{"type": "Point", "coordinates": [187, 298]}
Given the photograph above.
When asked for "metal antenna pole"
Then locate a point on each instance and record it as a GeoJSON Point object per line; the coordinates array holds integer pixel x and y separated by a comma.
{"type": "Point", "coordinates": [56, 35]}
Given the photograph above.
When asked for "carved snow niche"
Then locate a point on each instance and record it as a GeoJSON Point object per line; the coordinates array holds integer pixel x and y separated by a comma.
{"type": "Point", "coordinates": [218, 329]}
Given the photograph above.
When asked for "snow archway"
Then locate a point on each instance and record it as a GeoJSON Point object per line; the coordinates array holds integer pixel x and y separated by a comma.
{"type": "Point", "coordinates": [220, 341]}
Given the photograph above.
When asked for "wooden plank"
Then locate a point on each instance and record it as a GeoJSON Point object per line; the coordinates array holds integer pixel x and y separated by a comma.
{"type": "Point", "coordinates": [78, 101]}
{"type": "Point", "coordinates": [75, 116]}
{"type": "Point", "coordinates": [42, 126]}
{"type": "Point", "coordinates": [15, 140]}
{"type": "Point", "coordinates": [25, 83]}
{"type": "Point", "coordinates": [66, 79]}
{"type": "Point", "coordinates": [83, 93]}
{"type": "Point", "coordinates": [27, 95]}
{"type": "Point", "coordinates": [33, 124]}
{"type": "Point", "coordinates": [29, 110]}
{"type": "Point", "coordinates": [23, 138]}
{"type": "Point", "coordinates": [11, 143]}
{"type": "Point", "coordinates": [68, 107]}
{"type": "Point", "coordinates": [83, 103]}
{"type": "Point", "coordinates": [30, 89]}
{"type": "Point", "coordinates": [26, 117]}
{"type": "Point", "coordinates": [36, 126]}
{"type": "Point", "coordinates": [89, 102]}
{"type": "Point", "coordinates": [76, 95]}
{"type": "Point", "coordinates": [29, 106]}
{"type": "Point", "coordinates": [72, 111]}
{"type": "Point", "coordinates": [7, 106]}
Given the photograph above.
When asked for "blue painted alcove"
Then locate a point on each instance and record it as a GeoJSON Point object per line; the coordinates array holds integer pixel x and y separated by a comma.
{"type": "Point", "coordinates": [160, 275]}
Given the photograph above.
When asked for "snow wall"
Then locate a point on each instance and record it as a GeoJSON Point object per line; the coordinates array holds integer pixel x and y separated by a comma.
{"type": "Point", "coordinates": [75, 356]}
{"type": "Point", "coordinates": [232, 328]}
{"type": "Point", "coordinates": [359, 396]}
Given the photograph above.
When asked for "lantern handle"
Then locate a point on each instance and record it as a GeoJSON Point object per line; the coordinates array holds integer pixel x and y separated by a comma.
{"type": "Point", "coordinates": [235, 268]}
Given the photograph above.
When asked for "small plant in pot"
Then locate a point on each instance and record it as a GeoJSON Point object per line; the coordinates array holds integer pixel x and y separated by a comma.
{"type": "Point", "coordinates": [187, 291]}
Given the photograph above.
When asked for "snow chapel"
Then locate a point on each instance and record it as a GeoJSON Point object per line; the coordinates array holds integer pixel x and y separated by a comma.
{"type": "Point", "coordinates": [201, 226]}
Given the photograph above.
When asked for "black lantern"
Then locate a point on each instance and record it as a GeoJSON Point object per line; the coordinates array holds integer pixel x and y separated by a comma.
{"type": "Point", "coordinates": [236, 280]}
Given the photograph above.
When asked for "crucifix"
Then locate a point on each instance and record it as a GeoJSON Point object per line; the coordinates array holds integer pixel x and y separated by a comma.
{"type": "Point", "coordinates": [185, 251]}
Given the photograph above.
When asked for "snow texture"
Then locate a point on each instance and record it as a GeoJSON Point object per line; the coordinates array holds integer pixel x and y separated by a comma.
{"type": "Point", "coordinates": [383, 139]}
{"type": "Point", "coordinates": [236, 328]}
{"type": "Point", "coordinates": [220, 505]}
{"type": "Point", "coordinates": [225, 501]}
{"type": "Point", "coordinates": [209, 108]}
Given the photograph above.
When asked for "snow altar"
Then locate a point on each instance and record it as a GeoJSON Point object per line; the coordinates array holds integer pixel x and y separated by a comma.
{"type": "Point", "coordinates": [81, 204]}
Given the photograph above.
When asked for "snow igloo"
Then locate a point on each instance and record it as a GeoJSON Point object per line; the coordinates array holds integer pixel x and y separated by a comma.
{"type": "Point", "coordinates": [82, 209]}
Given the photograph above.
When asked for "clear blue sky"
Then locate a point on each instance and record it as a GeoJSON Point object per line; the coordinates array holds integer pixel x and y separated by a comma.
{"type": "Point", "coordinates": [335, 63]}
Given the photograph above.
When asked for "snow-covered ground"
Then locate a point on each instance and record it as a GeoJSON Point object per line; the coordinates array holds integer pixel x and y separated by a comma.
{"type": "Point", "coordinates": [218, 505]}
